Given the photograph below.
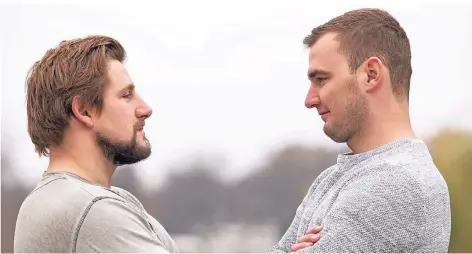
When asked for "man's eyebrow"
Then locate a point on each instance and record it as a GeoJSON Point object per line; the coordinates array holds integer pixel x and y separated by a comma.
{"type": "Point", "coordinates": [315, 72]}
{"type": "Point", "coordinates": [128, 87]}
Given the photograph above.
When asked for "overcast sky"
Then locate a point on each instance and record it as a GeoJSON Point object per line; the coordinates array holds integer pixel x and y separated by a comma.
{"type": "Point", "coordinates": [228, 77]}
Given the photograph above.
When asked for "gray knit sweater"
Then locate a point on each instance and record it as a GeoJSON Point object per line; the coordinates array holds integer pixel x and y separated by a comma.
{"type": "Point", "coordinates": [390, 199]}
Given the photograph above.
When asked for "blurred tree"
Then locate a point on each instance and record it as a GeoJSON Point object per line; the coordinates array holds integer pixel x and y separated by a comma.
{"type": "Point", "coordinates": [452, 153]}
{"type": "Point", "coordinates": [277, 188]}
{"type": "Point", "coordinates": [191, 199]}
{"type": "Point", "coordinates": [196, 197]}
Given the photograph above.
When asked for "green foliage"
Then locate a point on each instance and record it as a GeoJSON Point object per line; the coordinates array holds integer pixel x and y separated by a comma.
{"type": "Point", "coordinates": [452, 154]}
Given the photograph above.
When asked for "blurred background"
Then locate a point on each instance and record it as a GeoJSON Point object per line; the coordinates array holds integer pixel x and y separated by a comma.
{"type": "Point", "coordinates": [234, 148]}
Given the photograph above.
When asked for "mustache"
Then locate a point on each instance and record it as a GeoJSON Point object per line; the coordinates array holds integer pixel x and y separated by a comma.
{"type": "Point", "coordinates": [139, 125]}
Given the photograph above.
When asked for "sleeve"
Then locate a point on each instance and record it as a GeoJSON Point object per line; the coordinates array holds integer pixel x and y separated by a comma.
{"type": "Point", "coordinates": [377, 213]}
{"type": "Point", "coordinates": [111, 227]}
{"type": "Point", "coordinates": [290, 236]}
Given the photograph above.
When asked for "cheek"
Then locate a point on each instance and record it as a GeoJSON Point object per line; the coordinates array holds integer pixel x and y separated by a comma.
{"type": "Point", "coordinates": [328, 94]}
{"type": "Point", "coordinates": [117, 122]}
{"type": "Point", "coordinates": [333, 96]}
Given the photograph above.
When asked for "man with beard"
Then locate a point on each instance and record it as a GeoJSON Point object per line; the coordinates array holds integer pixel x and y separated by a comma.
{"type": "Point", "coordinates": [84, 113]}
{"type": "Point", "coordinates": [386, 195]}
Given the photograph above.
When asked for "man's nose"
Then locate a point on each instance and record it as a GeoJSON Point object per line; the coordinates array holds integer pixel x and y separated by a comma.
{"type": "Point", "coordinates": [312, 98]}
{"type": "Point", "coordinates": [143, 110]}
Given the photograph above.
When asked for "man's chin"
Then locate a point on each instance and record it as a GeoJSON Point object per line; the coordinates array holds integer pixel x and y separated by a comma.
{"type": "Point", "coordinates": [121, 153]}
{"type": "Point", "coordinates": [331, 133]}
{"type": "Point", "coordinates": [146, 152]}
{"type": "Point", "coordinates": [140, 154]}
{"type": "Point", "coordinates": [143, 148]}
{"type": "Point", "coordinates": [143, 145]}
{"type": "Point", "coordinates": [337, 137]}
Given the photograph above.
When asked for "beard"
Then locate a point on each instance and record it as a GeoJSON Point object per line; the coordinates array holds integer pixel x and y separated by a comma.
{"type": "Point", "coordinates": [123, 153]}
{"type": "Point", "coordinates": [351, 119]}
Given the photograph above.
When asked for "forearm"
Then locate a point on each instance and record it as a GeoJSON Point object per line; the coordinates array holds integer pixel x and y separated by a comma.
{"type": "Point", "coordinates": [277, 249]}
{"type": "Point", "coordinates": [386, 219]}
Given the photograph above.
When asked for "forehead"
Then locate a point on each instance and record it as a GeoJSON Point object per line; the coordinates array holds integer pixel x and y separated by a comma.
{"type": "Point", "coordinates": [324, 54]}
{"type": "Point", "coordinates": [118, 77]}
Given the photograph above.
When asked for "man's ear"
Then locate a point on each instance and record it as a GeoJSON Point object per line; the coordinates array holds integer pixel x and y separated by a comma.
{"type": "Point", "coordinates": [80, 111]}
{"type": "Point", "coordinates": [373, 69]}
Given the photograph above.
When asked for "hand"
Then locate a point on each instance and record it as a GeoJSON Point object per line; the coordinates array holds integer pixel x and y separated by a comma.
{"type": "Point", "coordinates": [311, 237]}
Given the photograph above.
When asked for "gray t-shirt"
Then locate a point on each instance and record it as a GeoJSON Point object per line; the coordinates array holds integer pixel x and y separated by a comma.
{"type": "Point", "coordinates": [390, 199]}
{"type": "Point", "coordinates": [65, 213]}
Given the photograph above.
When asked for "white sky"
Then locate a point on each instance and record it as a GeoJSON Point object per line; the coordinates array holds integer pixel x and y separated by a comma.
{"type": "Point", "coordinates": [228, 77]}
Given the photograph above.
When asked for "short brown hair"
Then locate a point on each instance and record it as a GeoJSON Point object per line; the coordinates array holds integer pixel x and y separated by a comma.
{"type": "Point", "coordinates": [75, 67]}
{"type": "Point", "coordinates": [368, 32]}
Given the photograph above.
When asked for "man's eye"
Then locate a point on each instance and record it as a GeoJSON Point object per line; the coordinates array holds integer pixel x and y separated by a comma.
{"type": "Point", "coordinates": [126, 95]}
{"type": "Point", "coordinates": [320, 80]}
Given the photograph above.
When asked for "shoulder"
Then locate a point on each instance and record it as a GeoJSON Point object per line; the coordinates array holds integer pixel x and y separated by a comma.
{"type": "Point", "coordinates": [58, 197]}
{"type": "Point", "coordinates": [61, 201]}
{"type": "Point", "coordinates": [409, 168]}
{"type": "Point", "coordinates": [406, 182]}
{"type": "Point", "coordinates": [125, 194]}
{"type": "Point", "coordinates": [55, 208]}
{"type": "Point", "coordinates": [108, 211]}
{"type": "Point", "coordinates": [399, 180]}
{"type": "Point", "coordinates": [65, 193]}
{"type": "Point", "coordinates": [110, 225]}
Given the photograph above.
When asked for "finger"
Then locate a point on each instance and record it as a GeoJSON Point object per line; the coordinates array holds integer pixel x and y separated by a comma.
{"type": "Point", "coordinates": [308, 238]}
{"type": "Point", "coordinates": [299, 246]}
{"type": "Point", "coordinates": [314, 230]}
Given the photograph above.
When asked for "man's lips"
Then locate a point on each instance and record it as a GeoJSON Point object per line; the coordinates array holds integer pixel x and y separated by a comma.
{"type": "Point", "coordinates": [322, 112]}
{"type": "Point", "coordinates": [324, 115]}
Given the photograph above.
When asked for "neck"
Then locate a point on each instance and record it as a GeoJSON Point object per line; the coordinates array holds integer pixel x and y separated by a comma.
{"type": "Point", "coordinates": [83, 159]}
{"type": "Point", "coordinates": [382, 129]}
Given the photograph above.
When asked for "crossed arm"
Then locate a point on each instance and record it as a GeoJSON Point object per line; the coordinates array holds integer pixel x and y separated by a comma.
{"type": "Point", "coordinates": [373, 216]}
